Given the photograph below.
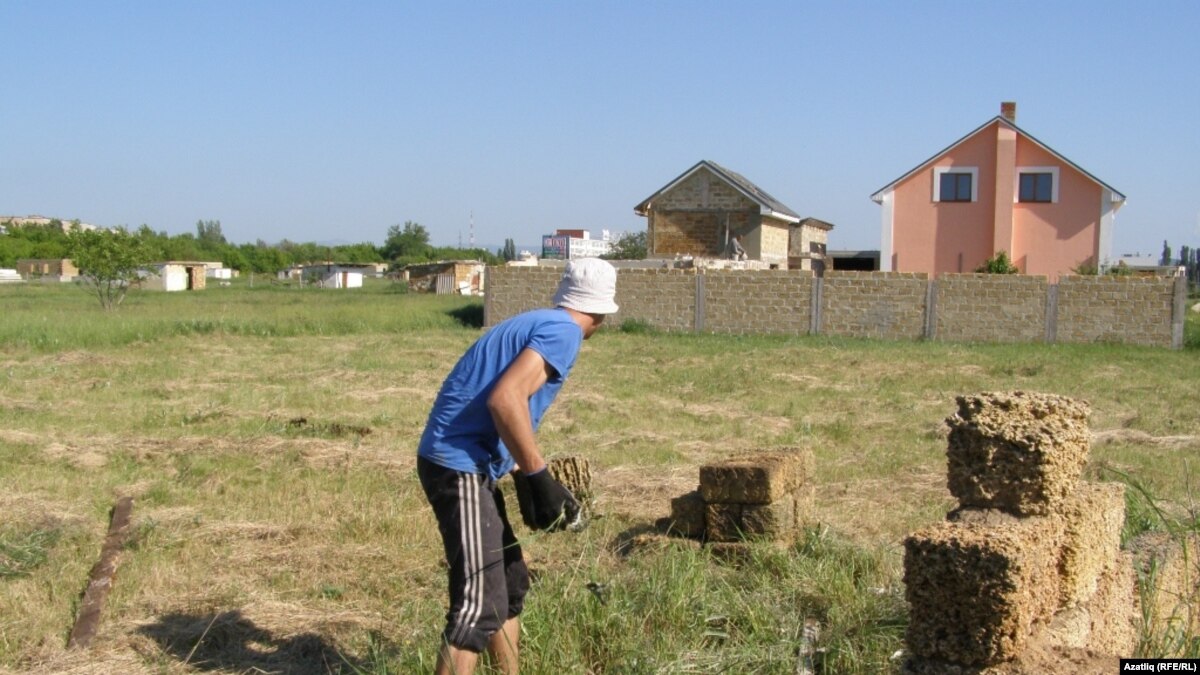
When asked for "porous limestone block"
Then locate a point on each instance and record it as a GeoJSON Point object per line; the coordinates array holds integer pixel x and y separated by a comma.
{"type": "Point", "coordinates": [1170, 570]}
{"type": "Point", "coordinates": [735, 522]}
{"type": "Point", "coordinates": [1016, 451]}
{"type": "Point", "coordinates": [756, 479]}
{"type": "Point", "coordinates": [776, 520]}
{"type": "Point", "coordinates": [575, 474]}
{"type": "Point", "coordinates": [1094, 515]}
{"type": "Point", "coordinates": [687, 515]}
{"type": "Point", "coordinates": [1109, 621]}
{"type": "Point", "coordinates": [978, 587]}
{"type": "Point", "coordinates": [1115, 609]}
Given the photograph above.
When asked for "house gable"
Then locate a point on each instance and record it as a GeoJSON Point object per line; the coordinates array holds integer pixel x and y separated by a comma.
{"type": "Point", "coordinates": [996, 189]}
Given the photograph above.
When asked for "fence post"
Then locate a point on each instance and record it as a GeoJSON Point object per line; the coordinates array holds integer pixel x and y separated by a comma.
{"type": "Point", "coordinates": [1178, 312]}
{"type": "Point", "coordinates": [814, 315]}
{"type": "Point", "coordinates": [930, 309]}
{"type": "Point", "coordinates": [1051, 313]}
{"type": "Point", "coordinates": [698, 319]}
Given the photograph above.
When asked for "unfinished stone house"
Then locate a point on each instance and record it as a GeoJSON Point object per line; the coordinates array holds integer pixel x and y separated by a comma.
{"type": "Point", "coordinates": [56, 269]}
{"type": "Point", "coordinates": [699, 212]}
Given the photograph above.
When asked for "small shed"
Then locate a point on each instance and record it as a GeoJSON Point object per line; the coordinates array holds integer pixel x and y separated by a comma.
{"type": "Point", "coordinates": [463, 277]}
{"type": "Point", "coordinates": [175, 275]}
{"type": "Point", "coordinates": [333, 275]}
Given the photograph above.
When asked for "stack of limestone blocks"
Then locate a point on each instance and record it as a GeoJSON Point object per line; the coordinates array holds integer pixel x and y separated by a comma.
{"type": "Point", "coordinates": [762, 497]}
{"type": "Point", "coordinates": [1031, 559]}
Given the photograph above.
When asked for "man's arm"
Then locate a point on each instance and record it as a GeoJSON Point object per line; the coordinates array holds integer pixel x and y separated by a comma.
{"type": "Point", "coordinates": [509, 406]}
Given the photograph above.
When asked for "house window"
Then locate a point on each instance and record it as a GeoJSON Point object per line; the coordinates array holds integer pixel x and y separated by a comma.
{"type": "Point", "coordinates": [955, 184]}
{"type": "Point", "coordinates": [1037, 184]}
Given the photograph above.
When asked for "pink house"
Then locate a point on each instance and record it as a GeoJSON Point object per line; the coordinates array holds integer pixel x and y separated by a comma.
{"type": "Point", "coordinates": [997, 189]}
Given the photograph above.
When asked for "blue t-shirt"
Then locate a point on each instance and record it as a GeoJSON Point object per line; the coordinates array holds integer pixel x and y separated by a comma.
{"type": "Point", "coordinates": [460, 433]}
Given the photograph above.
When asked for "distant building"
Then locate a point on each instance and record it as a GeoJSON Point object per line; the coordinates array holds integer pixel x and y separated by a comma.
{"type": "Point", "coordinates": [997, 189]}
{"type": "Point", "coordinates": [53, 269]}
{"type": "Point", "coordinates": [175, 275]}
{"type": "Point", "coordinates": [569, 244]}
{"type": "Point", "coordinates": [41, 220]}
{"type": "Point", "coordinates": [702, 210]}
{"type": "Point", "coordinates": [465, 277]}
{"type": "Point", "coordinates": [335, 275]}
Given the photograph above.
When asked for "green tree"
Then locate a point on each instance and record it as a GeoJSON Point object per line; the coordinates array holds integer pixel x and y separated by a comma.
{"type": "Point", "coordinates": [209, 232]}
{"type": "Point", "coordinates": [510, 251]}
{"type": "Point", "coordinates": [998, 264]}
{"type": "Point", "coordinates": [409, 241]}
{"type": "Point", "coordinates": [1166, 254]}
{"type": "Point", "coordinates": [108, 261]}
{"type": "Point", "coordinates": [629, 246]}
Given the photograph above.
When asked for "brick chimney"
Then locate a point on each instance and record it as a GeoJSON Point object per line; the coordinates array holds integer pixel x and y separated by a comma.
{"type": "Point", "coordinates": [1008, 110]}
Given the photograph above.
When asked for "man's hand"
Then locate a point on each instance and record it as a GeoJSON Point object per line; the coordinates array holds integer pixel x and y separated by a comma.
{"type": "Point", "coordinates": [545, 503]}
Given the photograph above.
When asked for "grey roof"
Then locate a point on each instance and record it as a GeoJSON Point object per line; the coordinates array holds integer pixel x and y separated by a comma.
{"type": "Point", "coordinates": [876, 196]}
{"type": "Point", "coordinates": [737, 180]}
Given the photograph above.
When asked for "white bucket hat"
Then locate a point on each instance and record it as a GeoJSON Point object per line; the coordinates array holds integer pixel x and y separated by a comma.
{"type": "Point", "coordinates": [588, 285]}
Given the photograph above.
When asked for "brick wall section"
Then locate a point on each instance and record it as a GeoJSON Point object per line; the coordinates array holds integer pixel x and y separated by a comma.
{"type": "Point", "coordinates": [1131, 310]}
{"type": "Point", "coordinates": [888, 305]}
{"type": "Point", "coordinates": [754, 302]}
{"type": "Point", "coordinates": [665, 299]}
{"type": "Point", "coordinates": [512, 290]}
{"type": "Point", "coordinates": [990, 308]}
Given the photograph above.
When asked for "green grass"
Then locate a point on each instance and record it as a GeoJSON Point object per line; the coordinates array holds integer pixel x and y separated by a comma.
{"type": "Point", "coordinates": [313, 538]}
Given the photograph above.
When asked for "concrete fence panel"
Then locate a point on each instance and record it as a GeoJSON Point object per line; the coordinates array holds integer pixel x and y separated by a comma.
{"type": "Point", "coordinates": [757, 302]}
{"type": "Point", "coordinates": [887, 305]}
{"type": "Point", "coordinates": [990, 308]}
{"type": "Point", "coordinates": [1130, 310]}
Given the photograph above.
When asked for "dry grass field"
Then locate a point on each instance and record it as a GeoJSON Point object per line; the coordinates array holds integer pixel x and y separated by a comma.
{"type": "Point", "coordinates": [267, 437]}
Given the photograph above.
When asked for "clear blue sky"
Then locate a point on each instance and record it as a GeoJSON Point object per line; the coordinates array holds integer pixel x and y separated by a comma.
{"type": "Point", "coordinates": [331, 121]}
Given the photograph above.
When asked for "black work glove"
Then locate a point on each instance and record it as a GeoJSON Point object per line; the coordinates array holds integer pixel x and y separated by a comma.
{"type": "Point", "coordinates": [545, 503]}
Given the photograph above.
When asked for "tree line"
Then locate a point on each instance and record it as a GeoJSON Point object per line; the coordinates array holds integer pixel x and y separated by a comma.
{"type": "Point", "coordinates": [408, 243]}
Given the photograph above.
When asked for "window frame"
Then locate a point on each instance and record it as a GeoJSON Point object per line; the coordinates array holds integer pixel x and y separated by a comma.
{"type": "Point", "coordinates": [939, 171]}
{"type": "Point", "coordinates": [1023, 170]}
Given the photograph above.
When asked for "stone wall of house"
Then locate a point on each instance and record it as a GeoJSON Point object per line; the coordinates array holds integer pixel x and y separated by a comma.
{"type": "Point", "coordinates": [699, 233]}
{"type": "Point", "coordinates": [1115, 309]}
{"type": "Point", "coordinates": [775, 242]}
{"type": "Point", "coordinates": [887, 305]}
{"type": "Point", "coordinates": [990, 308]}
{"type": "Point", "coordinates": [703, 190]}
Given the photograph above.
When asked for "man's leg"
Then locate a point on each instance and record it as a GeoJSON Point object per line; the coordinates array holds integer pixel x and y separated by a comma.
{"type": "Point", "coordinates": [455, 661]}
{"type": "Point", "coordinates": [503, 647]}
{"type": "Point", "coordinates": [472, 534]}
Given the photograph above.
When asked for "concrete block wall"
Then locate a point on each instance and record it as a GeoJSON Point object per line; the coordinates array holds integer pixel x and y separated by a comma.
{"type": "Point", "coordinates": [1115, 309]}
{"type": "Point", "coordinates": [990, 308]}
{"type": "Point", "coordinates": [757, 302]}
{"type": "Point", "coordinates": [512, 290]}
{"type": "Point", "coordinates": [887, 305]}
{"type": "Point", "coordinates": [663, 298]}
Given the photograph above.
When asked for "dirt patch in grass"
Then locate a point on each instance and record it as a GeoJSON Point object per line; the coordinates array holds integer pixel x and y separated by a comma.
{"type": "Point", "coordinates": [1136, 437]}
